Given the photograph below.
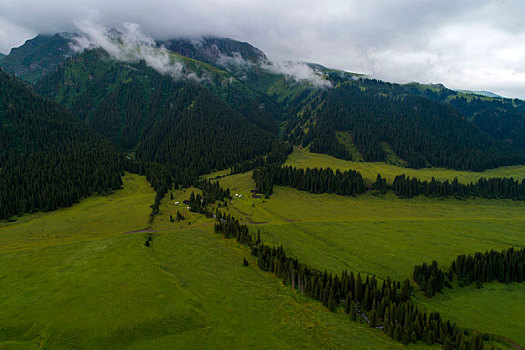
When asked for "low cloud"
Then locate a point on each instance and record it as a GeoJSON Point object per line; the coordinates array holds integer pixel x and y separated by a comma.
{"type": "Point", "coordinates": [297, 71]}
{"type": "Point", "coordinates": [233, 60]}
{"type": "Point", "coordinates": [130, 44]}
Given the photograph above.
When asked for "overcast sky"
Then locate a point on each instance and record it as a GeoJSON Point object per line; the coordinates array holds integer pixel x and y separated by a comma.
{"type": "Point", "coordinates": [465, 44]}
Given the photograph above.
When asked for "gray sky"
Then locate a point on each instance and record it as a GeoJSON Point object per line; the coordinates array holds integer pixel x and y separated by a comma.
{"type": "Point", "coordinates": [465, 44]}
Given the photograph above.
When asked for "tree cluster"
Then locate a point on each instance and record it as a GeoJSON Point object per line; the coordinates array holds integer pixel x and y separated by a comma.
{"type": "Point", "coordinates": [506, 266]}
{"type": "Point", "coordinates": [407, 187]}
{"type": "Point", "coordinates": [430, 278]}
{"type": "Point", "coordinates": [211, 192]}
{"type": "Point", "coordinates": [315, 180]}
{"type": "Point", "coordinates": [229, 227]}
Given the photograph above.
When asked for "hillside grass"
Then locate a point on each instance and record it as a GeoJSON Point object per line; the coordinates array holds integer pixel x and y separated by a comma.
{"type": "Point", "coordinates": [83, 278]}
{"type": "Point", "coordinates": [91, 218]}
{"type": "Point", "coordinates": [302, 158]}
{"type": "Point", "coordinates": [386, 236]}
{"type": "Point", "coordinates": [345, 138]}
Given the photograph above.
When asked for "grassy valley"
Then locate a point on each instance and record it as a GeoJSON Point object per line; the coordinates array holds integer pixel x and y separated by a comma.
{"type": "Point", "coordinates": [78, 278]}
{"type": "Point", "coordinates": [93, 283]}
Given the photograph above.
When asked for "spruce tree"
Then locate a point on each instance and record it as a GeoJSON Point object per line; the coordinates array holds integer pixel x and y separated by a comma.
{"type": "Point", "coordinates": [353, 313]}
{"type": "Point", "coordinates": [406, 337]}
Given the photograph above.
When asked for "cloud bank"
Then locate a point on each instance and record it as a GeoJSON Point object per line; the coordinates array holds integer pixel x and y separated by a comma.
{"type": "Point", "coordinates": [465, 44]}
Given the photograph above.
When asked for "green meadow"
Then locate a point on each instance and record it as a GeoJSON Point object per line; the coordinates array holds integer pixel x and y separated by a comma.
{"type": "Point", "coordinates": [383, 235]}
{"type": "Point", "coordinates": [123, 211]}
{"type": "Point", "coordinates": [82, 278]}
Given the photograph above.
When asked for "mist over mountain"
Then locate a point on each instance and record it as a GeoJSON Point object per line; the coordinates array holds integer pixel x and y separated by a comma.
{"type": "Point", "coordinates": [99, 72]}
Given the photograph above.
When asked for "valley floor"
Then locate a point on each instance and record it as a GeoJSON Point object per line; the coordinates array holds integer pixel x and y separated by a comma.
{"type": "Point", "coordinates": [82, 277]}
{"type": "Point", "coordinates": [94, 284]}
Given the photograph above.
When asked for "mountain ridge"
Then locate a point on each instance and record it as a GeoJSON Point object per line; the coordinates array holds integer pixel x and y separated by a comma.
{"type": "Point", "coordinates": [93, 84]}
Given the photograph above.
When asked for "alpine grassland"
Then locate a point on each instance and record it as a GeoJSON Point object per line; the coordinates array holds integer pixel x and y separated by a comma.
{"type": "Point", "coordinates": [83, 278]}
{"type": "Point", "coordinates": [384, 235]}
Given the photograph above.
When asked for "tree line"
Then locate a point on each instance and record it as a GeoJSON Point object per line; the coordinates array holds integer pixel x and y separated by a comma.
{"type": "Point", "coordinates": [315, 180]}
{"type": "Point", "coordinates": [407, 187]}
{"type": "Point", "coordinates": [211, 192]}
{"type": "Point", "coordinates": [350, 182]}
{"type": "Point", "coordinates": [505, 267]}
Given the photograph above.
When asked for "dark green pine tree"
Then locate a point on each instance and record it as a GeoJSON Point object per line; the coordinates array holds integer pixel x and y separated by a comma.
{"type": "Point", "coordinates": [353, 313]}
{"type": "Point", "coordinates": [406, 337]}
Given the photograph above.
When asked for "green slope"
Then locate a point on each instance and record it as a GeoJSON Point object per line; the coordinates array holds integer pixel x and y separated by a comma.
{"type": "Point", "coordinates": [37, 57]}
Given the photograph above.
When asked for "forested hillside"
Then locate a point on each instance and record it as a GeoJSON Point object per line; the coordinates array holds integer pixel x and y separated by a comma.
{"type": "Point", "coordinates": [502, 118]}
{"type": "Point", "coordinates": [198, 133]}
{"type": "Point", "coordinates": [48, 157]}
{"type": "Point", "coordinates": [122, 101]}
{"type": "Point", "coordinates": [176, 129]}
{"type": "Point", "coordinates": [418, 130]}
{"type": "Point", "coordinates": [353, 117]}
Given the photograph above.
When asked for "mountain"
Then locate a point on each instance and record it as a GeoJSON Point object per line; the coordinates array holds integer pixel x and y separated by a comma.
{"type": "Point", "coordinates": [217, 51]}
{"type": "Point", "coordinates": [343, 114]}
{"type": "Point", "coordinates": [49, 158]}
{"type": "Point", "coordinates": [193, 125]}
{"type": "Point", "coordinates": [37, 56]}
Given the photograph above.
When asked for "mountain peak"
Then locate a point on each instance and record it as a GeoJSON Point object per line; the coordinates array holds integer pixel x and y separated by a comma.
{"type": "Point", "coordinates": [217, 51]}
{"type": "Point", "coordinates": [37, 56]}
